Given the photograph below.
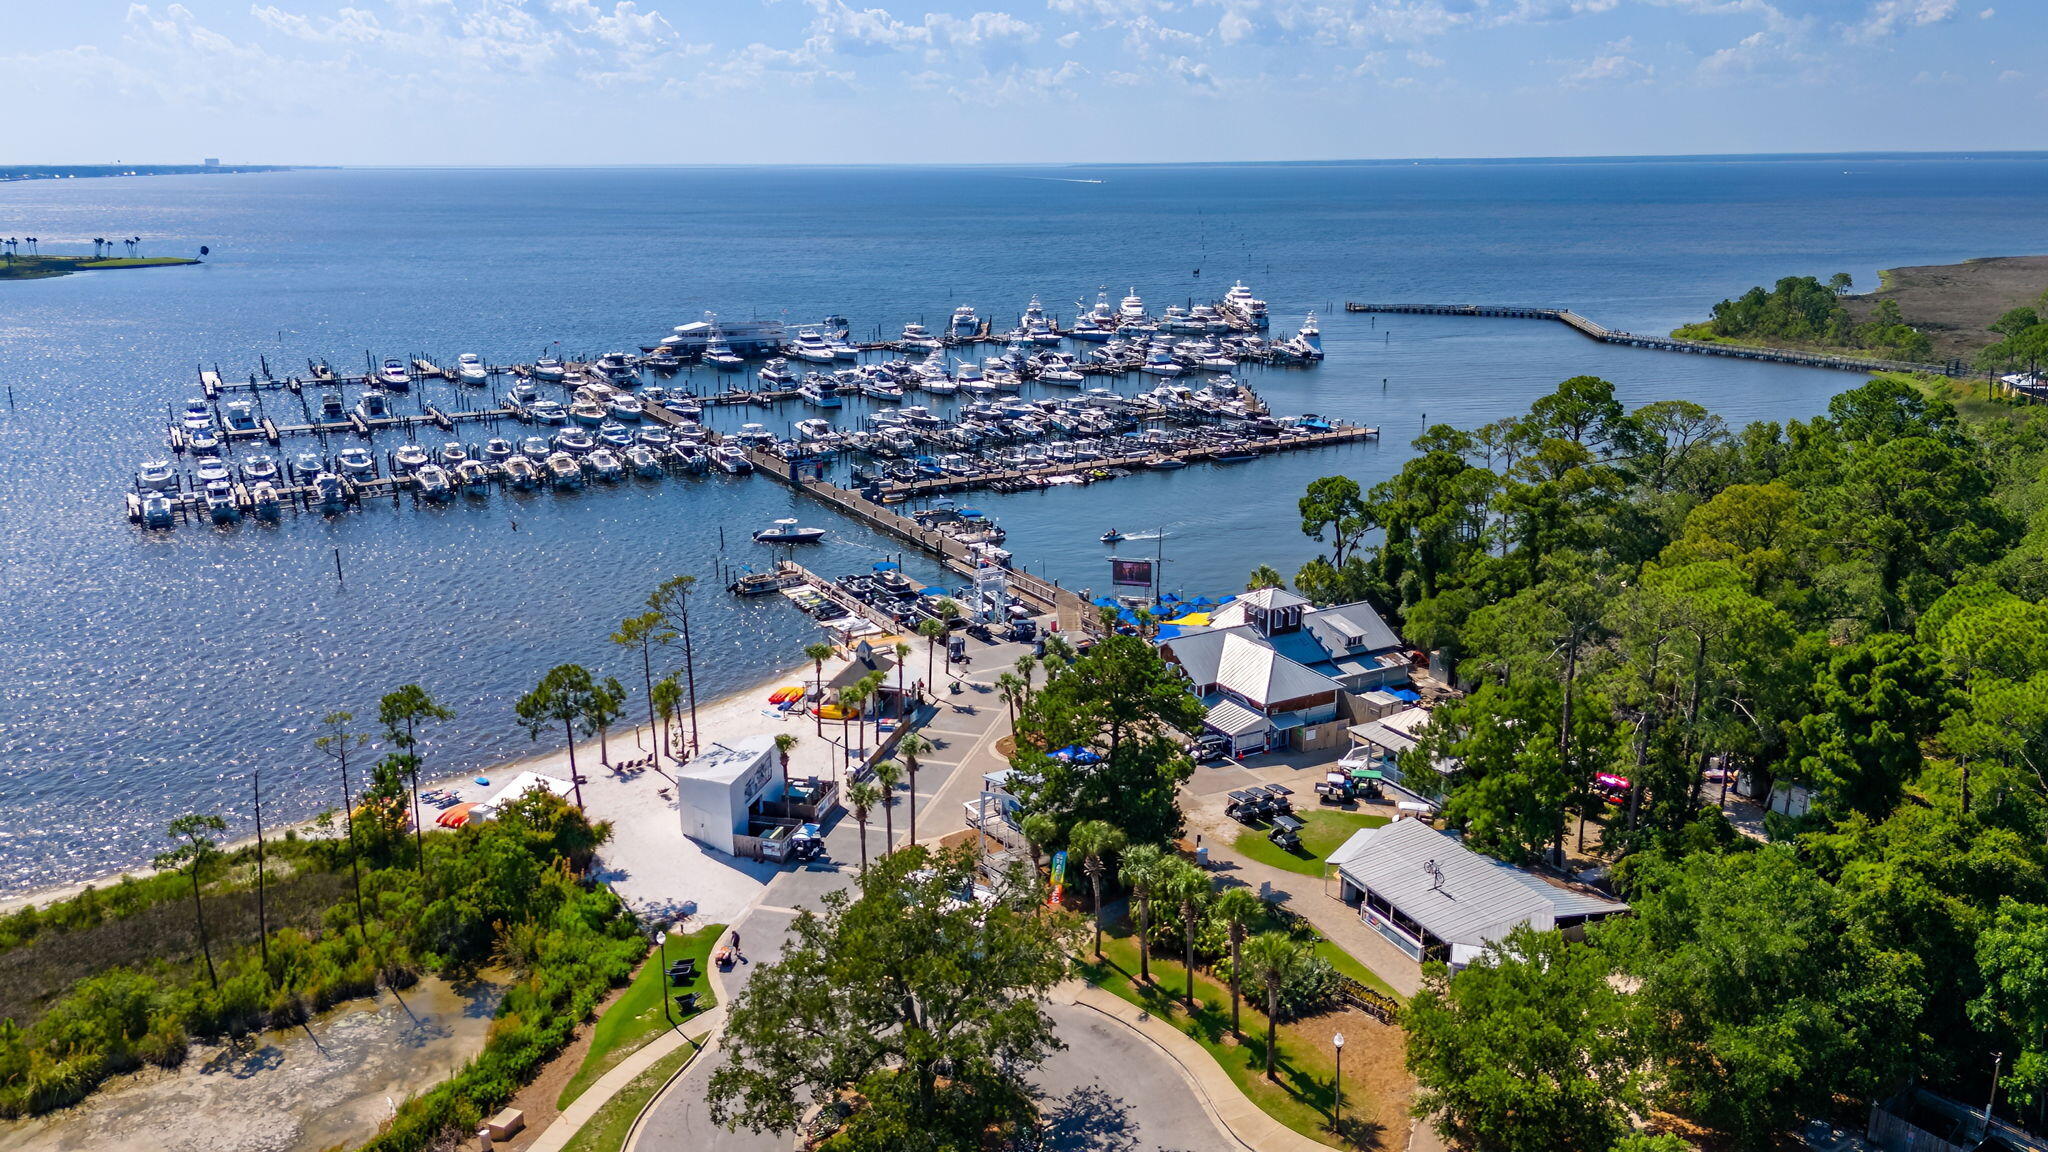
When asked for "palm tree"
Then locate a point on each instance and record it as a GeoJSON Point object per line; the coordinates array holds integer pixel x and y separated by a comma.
{"type": "Point", "coordinates": [337, 743]}
{"type": "Point", "coordinates": [888, 774]}
{"type": "Point", "coordinates": [1012, 689]}
{"type": "Point", "coordinates": [1264, 576]}
{"type": "Point", "coordinates": [401, 713]}
{"type": "Point", "coordinates": [784, 741]}
{"type": "Point", "coordinates": [863, 797]}
{"type": "Point", "coordinates": [933, 630]}
{"type": "Point", "coordinates": [667, 698]}
{"type": "Point", "coordinates": [194, 849]}
{"type": "Point", "coordinates": [1139, 871]}
{"type": "Point", "coordinates": [644, 632]}
{"type": "Point", "coordinates": [1040, 830]}
{"type": "Point", "coordinates": [1094, 841]}
{"type": "Point", "coordinates": [1275, 958]}
{"type": "Point", "coordinates": [902, 710]}
{"type": "Point", "coordinates": [1026, 665]}
{"type": "Point", "coordinates": [849, 706]}
{"type": "Point", "coordinates": [910, 747]}
{"type": "Point", "coordinates": [1237, 907]}
{"type": "Point", "coordinates": [817, 654]}
{"type": "Point", "coordinates": [1188, 886]}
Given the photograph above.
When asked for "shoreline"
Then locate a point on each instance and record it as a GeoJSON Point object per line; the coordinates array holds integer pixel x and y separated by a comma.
{"type": "Point", "coordinates": [733, 706]}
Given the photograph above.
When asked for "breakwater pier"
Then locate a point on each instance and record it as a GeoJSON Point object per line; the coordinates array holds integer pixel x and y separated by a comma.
{"type": "Point", "coordinates": [1605, 335]}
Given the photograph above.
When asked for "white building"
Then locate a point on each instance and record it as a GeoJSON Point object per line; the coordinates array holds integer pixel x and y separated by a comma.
{"type": "Point", "coordinates": [718, 789]}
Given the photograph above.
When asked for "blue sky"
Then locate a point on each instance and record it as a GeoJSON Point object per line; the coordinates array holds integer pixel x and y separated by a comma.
{"type": "Point", "coordinates": [991, 81]}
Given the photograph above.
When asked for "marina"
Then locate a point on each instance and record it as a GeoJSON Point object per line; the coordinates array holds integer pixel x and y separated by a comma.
{"type": "Point", "coordinates": [613, 418]}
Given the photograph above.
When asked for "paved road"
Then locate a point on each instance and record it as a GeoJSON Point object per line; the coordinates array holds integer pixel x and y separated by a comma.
{"type": "Point", "coordinates": [1110, 1090]}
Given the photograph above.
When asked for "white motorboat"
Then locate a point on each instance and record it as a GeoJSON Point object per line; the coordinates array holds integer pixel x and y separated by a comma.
{"type": "Point", "coordinates": [720, 355]}
{"type": "Point", "coordinates": [373, 405]}
{"type": "Point", "coordinates": [355, 462]}
{"type": "Point", "coordinates": [473, 476]}
{"type": "Point", "coordinates": [656, 438]}
{"type": "Point", "coordinates": [241, 415]}
{"type": "Point", "coordinates": [614, 435]}
{"type": "Point", "coordinates": [1160, 362]}
{"type": "Point", "coordinates": [812, 347]}
{"type": "Point", "coordinates": [878, 388]}
{"type": "Point", "coordinates": [497, 450]}
{"type": "Point", "coordinates": [606, 465]}
{"type": "Point", "coordinates": [195, 416]}
{"type": "Point", "coordinates": [815, 428]}
{"type": "Point", "coordinates": [587, 412]}
{"type": "Point", "coordinates": [307, 465]}
{"type": "Point", "coordinates": [618, 368]}
{"type": "Point", "coordinates": [777, 372]}
{"type": "Point", "coordinates": [625, 408]}
{"type": "Point", "coordinates": [329, 490]}
{"type": "Point", "coordinates": [754, 436]}
{"type": "Point", "coordinates": [1247, 307]}
{"type": "Point", "coordinates": [576, 441]}
{"type": "Point", "coordinates": [331, 408]}
{"type": "Point", "coordinates": [1308, 341]}
{"type": "Point", "coordinates": [643, 461]}
{"type": "Point", "coordinates": [535, 448]}
{"type": "Point", "coordinates": [521, 472]}
{"type": "Point", "coordinates": [409, 458]}
{"type": "Point", "coordinates": [157, 510]}
{"type": "Point", "coordinates": [1132, 308]}
{"type": "Point", "coordinates": [265, 500]}
{"type": "Point", "coordinates": [469, 368]}
{"type": "Point", "coordinates": [664, 361]}
{"type": "Point", "coordinates": [915, 336]}
{"type": "Point", "coordinates": [392, 374]}
{"type": "Point", "coordinates": [156, 475]}
{"type": "Point", "coordinates": [564, 470]}
{"type": "Point", "coordinates": [452, 453]}
{"type": "Point", "coordinates": [259, 469]}
{"type": "Point", "coordinates": [212, 470]}
{"type": "Point", "coordinates": [549, 413]}
{"type": "Point", "coordinates": [819, 390]}
{"type": "Point", "coordinates": [220, 502]}
{"type": "Point", "coordinates": [730, 459]}
{"type": "Point", "coordinates": [1089, 329]}
{"type": "Point", "coordinates": [550, 370]}
{"type": "Point", "coordinates": [965, 325]}
{"type": "Point", "coordinates": [842, 348]}
{"type": "Point", "coordinates": [787, 532]}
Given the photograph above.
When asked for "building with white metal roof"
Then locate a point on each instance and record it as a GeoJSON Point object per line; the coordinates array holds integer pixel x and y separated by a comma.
{"type": "Point", "coordinates": [1436, 899]}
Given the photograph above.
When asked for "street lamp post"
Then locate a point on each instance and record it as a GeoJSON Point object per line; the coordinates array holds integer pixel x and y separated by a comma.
{"type": "Point", "coordinates": [667, 1008]}
{"type": "Point", "coordinates": [1338, 1041]}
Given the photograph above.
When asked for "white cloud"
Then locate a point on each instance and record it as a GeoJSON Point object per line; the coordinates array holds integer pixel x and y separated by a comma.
{"type": "Point", "coordinates": [1612, 65]}
{"type": "Point", "coordinates": [1888, 16]}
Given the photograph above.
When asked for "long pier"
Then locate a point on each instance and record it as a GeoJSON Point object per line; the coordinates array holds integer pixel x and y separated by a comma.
{"type": "Point", "coordinates": [1605, 335]}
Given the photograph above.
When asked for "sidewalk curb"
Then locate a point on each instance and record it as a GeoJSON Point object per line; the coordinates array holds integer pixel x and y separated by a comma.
{"type": "Point", "coordinates": [572, 1119]}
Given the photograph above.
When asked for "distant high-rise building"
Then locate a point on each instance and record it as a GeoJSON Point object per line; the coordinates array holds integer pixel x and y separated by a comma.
{"type": "Point", "coordinates": [213, 161]}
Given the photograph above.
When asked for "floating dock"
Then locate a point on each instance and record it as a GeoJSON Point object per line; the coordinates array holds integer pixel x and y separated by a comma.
{"type": "Point", "coordinates": [1607, 335]}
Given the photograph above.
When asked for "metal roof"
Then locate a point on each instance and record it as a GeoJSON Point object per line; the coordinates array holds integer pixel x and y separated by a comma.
{"type": "Point", "coordinates": [1234, 719]}
{"type": "Point", "coordinates": [1258, 673]}
{"type": "Point", "coordinates": [1465, 898]}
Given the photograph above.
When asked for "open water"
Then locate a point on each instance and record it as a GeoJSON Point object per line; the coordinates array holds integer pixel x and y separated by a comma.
{"type": "Point", "coordinates": [145, 674]}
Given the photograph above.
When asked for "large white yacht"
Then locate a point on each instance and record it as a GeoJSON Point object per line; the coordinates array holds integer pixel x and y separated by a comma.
{"type": "Point", "coordinates": [812, 346]}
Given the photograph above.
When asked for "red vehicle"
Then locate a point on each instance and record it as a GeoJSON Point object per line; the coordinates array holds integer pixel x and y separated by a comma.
{"type": "Point", "coordinates": [1613, 789]}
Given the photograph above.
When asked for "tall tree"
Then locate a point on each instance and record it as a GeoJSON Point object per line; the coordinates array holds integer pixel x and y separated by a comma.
{"type": "Point", "coordinates": [785, 742]}
{"type": "Point", "coordinates": [1238, 908]}
{"type": "Point", "coordinates": [1139, 872]}
{"type": "Point", "coordinates": [402, 713]}
{"type": "Point", "coordinates": [607, 704]}
{"type": "Point", "coordinates": [563, 697]}
{"type": "Point", "coordinates": [1273, 957]}
{"type": "Point", "coordinates": [922, 1007]}
{"type": "Point", "coordinates": [644, 632]}
{"type": "Point", "coordinates": [1334, 504]}
{"type": "Point", "coordinates": [911, 745]}
{"type": "Point", "coordinates": [194, 836]}
{"type": "Point", "coordinates": [338, 741]}
{"type": "Point", "coordinates": [863, 797]}
{"type": "Point", "coordinates": [671, 601]}
{"type": "Point", "coordinates": [667, 699]}
{"type": "Point", "coordinates": [817, 654]}
{"type": "Point", "coordinates": [1095, 841]}
{"type": "Point", "coordinates": [888, 774]}
{"type": "Point", "coordinates": [1188, 889]}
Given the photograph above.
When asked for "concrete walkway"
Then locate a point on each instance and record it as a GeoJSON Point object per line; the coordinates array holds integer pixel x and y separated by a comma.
{"type": "Point", "coordinates": [577, 1114]}
{"type": "Point", "coordinates": [1232, 1110]}
{"type": "Point", "coordinates": [1332, 917]}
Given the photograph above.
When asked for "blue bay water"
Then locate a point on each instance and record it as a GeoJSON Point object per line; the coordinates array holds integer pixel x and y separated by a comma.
{"type": "Point", "coordinates": [145, 674]}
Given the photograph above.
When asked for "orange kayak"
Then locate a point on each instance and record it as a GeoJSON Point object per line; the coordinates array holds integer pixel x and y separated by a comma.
{"type": "Point", "coordinates": [785, 695]}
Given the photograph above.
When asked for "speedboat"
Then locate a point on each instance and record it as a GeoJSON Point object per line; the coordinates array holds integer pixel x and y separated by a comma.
{"type": "Point", "coordinates": [643, 460]}
{"type": "Point", "coordinates": [433, 482]}
{"type": "Point", "coordinates": [548, 412]}
{"type": "Point", "coordinates": [815, 428]}
{"type": "Point", "coordinates": [329, 490]}
{"type": "Point", "coordinates": [877, 388]}
{"type": "Point", "coordinates": [588, 412]}
{"type": "Point", "coordinates": [965, 324]}
{"type": "Point", "coordinates": [625, 408]}
{"type": "Point", "coordinates": [157, 510]}
{"type": "Point", "coordinates": [521, 472]}
{"type": "Point", "coordinates": [156, 475]}
{"type": "Point", "coordinates": [693, 458]}
{"type": "Point", "coordinates": [220, 502]}
{"type": "Point", "coordinates": [842, 348]}
{"type": "Point", "coordinates": [497, 450]}
{"type": "Point", "coordinates": [306, 465]}
{"type": "Point", "coordinates": [264, 498]}
{"type": "Point", "coordinates": [613, 434]}
{"type": "Point", "coordinates": [1086, 328]}
{"type": "Point", "coordinates": [409, 458]}
{"type": "Point", "coordinates": [473, 476]}
{"type": "Point", "coordinates": [777, 371]}
{"type": "Point", "coordinates": [787, 532]}
{"type": "Point", "coordinates": [655, 438]}
{"type": "Point", "coordinates": [211, 471]}
{"type": "Point", "coordinates": [730, 459]}
{"type": "Point", "coordinates": [331, 408]}
{"type": "Point", "coordinates": [1160, 362]}
{"type": "Point", "coordinates": [355, 462]}
{"type": "Point", "coordinates": [720, 355]}
{"type": "Point", "coordinates": [196, 416]}
{"type": "Point", "coordinates": [812, 347]}
{"type": "Point", "coordinates": [606, 465]}
{"type": "Point", "coordinates": [392, 374]}
{"type": "Point", "coordinates": [373, 405]}
{"type": "Point", "coordinates": [453, 453]}
{"type": "Point", "coordinates": [754, 435]}
{"type": "Point", "coordinates": [618, 368]}
{"type": "Point", "coordinates": [259, 470]}
{"type": "Point", "coordinates": [469, 368]}
{"type": "Point", "coordinates": [535, 448]}
{"type": "Point", "coordinates": [241, 415]}
{"type": "Point", "coordinates": [915, 336]}
{"type": "Point", "coordinates": [549, 369]}
{"type": "Point", "coordinates": [575, 441]}
{"type": "Point", "coordinates": [565, 471]}
{"type": "Point", "coordinates": [664, 361]}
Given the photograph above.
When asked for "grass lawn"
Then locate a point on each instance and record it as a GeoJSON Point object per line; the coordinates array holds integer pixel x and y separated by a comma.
{"type": "Point", "coordinates": [36, 267]}
{"type": "Point", "coordinates": [1304, 1096]}
{"type": "Point", "coordinates": [606, 1131]}
{"type": "Point", "coordinates": [637, 1016]}
{"type": "Point", "coordinates": [1327, 829]}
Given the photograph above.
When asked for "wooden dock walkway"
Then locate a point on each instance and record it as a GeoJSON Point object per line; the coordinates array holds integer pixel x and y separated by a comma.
{"type": "Point", "coordinates": [1605, 335]}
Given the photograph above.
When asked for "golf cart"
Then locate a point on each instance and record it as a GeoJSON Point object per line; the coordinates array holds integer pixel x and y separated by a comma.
{"type": "Point", "coordinates": [1286, 832]}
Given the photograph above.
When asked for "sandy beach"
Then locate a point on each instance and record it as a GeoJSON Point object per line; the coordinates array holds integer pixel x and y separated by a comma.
{"type": "Point", "coordinates": [648, 860]}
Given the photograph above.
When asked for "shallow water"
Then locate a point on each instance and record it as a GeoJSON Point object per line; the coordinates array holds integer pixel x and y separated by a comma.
{"type": "Point", "coordinates": [303, 1090]}
{"type": "Point", "coordinates": [144, 674]}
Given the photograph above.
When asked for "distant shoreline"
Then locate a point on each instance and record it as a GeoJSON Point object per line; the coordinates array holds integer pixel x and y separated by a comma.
{"type": "Point", "coordinates": [10, 173]}
{"type": "Point", "coordinates": [43, 267]}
